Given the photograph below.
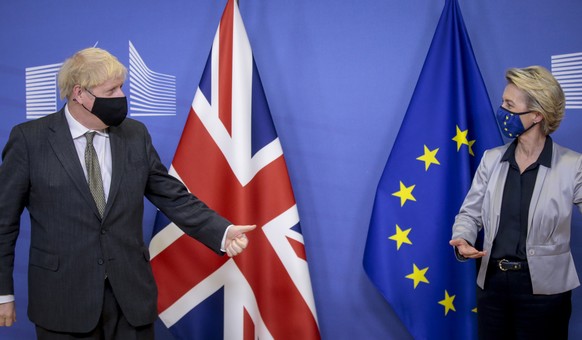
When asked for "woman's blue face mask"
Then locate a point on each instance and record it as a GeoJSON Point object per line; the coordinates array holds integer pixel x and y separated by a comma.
{"type": "Point", "coordinates": [510, 123]}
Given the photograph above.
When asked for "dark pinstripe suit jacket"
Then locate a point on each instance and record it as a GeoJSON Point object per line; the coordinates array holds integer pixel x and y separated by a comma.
{"type": "Point", "coordinates": [71, 247]}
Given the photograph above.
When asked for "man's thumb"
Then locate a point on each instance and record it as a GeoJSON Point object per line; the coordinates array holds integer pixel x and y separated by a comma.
{"type": "Point", "coordinates": [246, 228]}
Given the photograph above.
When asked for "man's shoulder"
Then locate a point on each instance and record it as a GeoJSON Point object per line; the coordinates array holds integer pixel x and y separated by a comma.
{"type": "Point", "coordinates": [40, 123]}
{"type": "Point", "coordinates": [132, 123]}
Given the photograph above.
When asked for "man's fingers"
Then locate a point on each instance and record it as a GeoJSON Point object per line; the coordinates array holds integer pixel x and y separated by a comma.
{"type": "Point", "coordinates": [7, 314]}
{"type": "Point", "coordinates": [236, 246]}
{"type": "Point", "coordinates": [237, 241]}
{"type": "Point", "coordinates": [6, 322]}
{"type": "Point", "coordinates": [242, 241]}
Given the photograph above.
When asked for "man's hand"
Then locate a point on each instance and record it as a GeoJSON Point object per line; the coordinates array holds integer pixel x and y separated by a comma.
{"type": "Point", "coordinates": [465, 249]}
{"type": "Point", "coordinates": [236, 240]}
{"type": "Point", "coordinates": [7, 314]}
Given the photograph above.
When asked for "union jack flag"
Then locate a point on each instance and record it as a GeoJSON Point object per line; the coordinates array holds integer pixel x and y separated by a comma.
{"type": "Point", "coordinates": [230, 156]}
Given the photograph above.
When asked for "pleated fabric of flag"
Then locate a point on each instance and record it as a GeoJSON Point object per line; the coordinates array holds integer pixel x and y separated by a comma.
{"type": "Point", "coordinates": [447, 127]}
{"type": "Point", "coordinates": [230, 157]}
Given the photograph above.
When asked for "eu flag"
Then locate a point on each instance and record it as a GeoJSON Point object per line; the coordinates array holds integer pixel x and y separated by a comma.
{"type": "Point", "coordinates": [447, 127]}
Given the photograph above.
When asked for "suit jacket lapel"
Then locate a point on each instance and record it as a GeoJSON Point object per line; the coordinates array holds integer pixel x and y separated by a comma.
{"type": "Point", "coordinates": [63, 146]}
{"type": "Point", "coordinates": [540, 179]}
{"type": "Point", "coordinates": [498, 196]}
{"type": "Point", "coordinates": [118, 158]}
{"type": "Point", "coordinates": [538, 188]}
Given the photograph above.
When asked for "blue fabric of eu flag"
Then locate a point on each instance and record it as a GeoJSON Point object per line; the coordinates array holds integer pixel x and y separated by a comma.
{"type": "Point", "coordinates": [447, 127]}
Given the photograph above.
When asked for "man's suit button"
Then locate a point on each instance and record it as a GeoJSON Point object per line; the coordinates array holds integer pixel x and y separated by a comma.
{"type": "Point", "coordinates": [100, 261]}
{"type": "Point", "coordinates": [103, 231]}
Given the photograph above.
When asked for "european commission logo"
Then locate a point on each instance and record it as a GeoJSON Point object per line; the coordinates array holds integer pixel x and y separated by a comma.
{"type": "Point", "coordinates": [567, 68]}
{"type": "Point", "coordinates": [41, 90]}
{"type": "Point", "coordinates": [150, 93]}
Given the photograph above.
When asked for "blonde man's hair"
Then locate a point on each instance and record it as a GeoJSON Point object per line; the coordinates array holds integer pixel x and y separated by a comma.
{"type": "Point", "coordinates": [88, 68]}
{"type": "Point", "coordinates": [543, 94]}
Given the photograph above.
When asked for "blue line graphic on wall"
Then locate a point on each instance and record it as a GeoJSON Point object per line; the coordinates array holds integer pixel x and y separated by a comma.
{"type": "Point", "coordinates": [567, 68]}
{"type": "Point", "coordinates": [41, 90]}
{"type": "Point", "coordinates": [151, 93]}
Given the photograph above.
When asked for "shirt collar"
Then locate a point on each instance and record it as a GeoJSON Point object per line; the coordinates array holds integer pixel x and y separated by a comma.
{"type": "Point", "coordinates": [77, 129]}
{"type": "Point", "coordinates": [544, 159]}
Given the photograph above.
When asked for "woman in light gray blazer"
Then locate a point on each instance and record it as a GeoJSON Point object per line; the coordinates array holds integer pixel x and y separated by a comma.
{"type": "Point", "coordinates": [522, 197]}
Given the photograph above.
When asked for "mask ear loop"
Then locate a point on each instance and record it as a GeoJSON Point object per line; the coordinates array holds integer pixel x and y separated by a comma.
{"type": "Point", "coordinates": [534, 123]}
{"type": "Point", "coordinates": [91, 93]}
{"type": "Point", "coordinates": [87, 90]}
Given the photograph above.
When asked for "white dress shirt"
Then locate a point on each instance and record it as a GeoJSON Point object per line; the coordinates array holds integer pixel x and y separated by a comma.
{"type": "Point", "coordinates": [101, 144]}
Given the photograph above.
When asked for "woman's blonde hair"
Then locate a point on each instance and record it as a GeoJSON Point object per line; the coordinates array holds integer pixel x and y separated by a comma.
{"type": "Point", "coordinates": [543, 94]}
{"type": "Point", "coordinates": [88, 68]}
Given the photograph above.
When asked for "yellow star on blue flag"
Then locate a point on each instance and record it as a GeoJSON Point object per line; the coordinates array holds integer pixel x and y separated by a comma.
{"type": "Point", "coordinates": [447, 302]}
{"type": "Point", "coordinates": [401, 237]}
{"type": "Point", "coordinates": [405, 193]}
{"type": "Point", "coordinates": [429, 157]}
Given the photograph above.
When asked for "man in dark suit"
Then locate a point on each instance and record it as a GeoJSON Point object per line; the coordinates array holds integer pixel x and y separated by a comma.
{"type": "Point", "coordinates": [82, 174]}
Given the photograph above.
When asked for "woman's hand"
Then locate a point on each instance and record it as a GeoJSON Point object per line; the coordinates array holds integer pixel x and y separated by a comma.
{"type": "Point", "coordinates": [466, 250]}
